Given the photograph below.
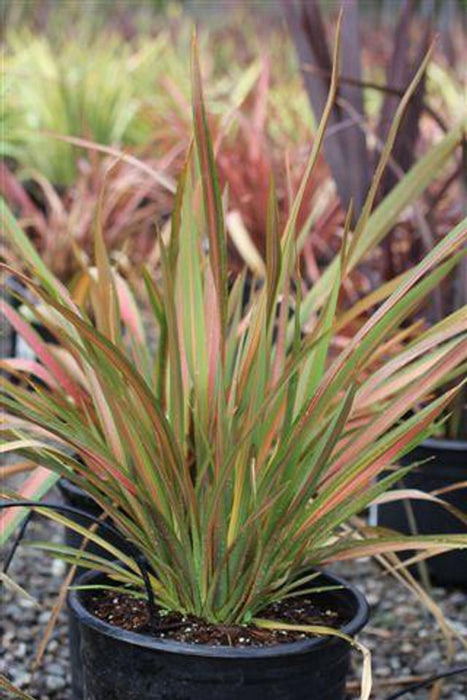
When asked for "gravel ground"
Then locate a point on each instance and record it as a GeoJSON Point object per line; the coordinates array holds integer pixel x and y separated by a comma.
{"type": "Point", "coordinates": [404, 639]}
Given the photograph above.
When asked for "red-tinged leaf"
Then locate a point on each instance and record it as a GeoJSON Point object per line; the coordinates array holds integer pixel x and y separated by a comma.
{"type": "Point", "coordinates": [29, 367]}
{"type": "Point", "coordinates": [213, 332]}
{"type": "Point", "coordinates": [175, 341]}
{"type": "Point", "coordinates": [106, 308]}
{"type": "Point", "coordinates": [103, 467]}
{"type": "Point", "coordinates": [452, 325]}
{"type": "Point", "coordinates": [162, 179]}
{"type": "Point", "coordinates": [211, 192]}
{"type": "Point", "coordinates": [396, 543]}
{"type": "Point", "coordinates": [18, 239]}
{"type": "Point", "coordinates": [71, 366]}
{"type": "Point", "coordinates": [273, 251]}
{"type": "Point", "coordinates": [183, 360]}
{"type": "Point", "coordinates": [391, 387]}
{"type": "Point", "coordinates": [417, 495]}
{"type": "Point", "coordinates": [385, 317]}
{"type": "Point", "coordinates": [129, 311]}
{"type": "Point", "coordinates": [34, 487]}
{"type": "Point", "coordinates": [177, 210]}
{"type": "Point", "coordinates": [41, 350]}
{"type": "Point", "coordinates": [118, 360]}
{"type": "Point", "coordinates": [279, 358]}
{"type": "Point", "coordinates": [104, 415]}
{"type": "Point", "coordinates": [377, 465]}
{"type": "Point", "coordinates": [400, 406]}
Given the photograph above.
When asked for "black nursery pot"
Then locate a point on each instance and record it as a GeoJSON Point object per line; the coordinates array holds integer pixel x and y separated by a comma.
{"type": "Point", "coordinates": [126, 665]}
{"type": "Point", "coordinates": [73, 496]}
{"type": "Point", "coordinates": [448, 466]}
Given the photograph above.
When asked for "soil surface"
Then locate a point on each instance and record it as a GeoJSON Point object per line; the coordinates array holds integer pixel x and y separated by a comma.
{"type": "Point", "coordinates": [125, 611]}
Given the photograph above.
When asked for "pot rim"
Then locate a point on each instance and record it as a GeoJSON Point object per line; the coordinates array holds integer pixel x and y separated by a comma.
{"type": "Point", "coordinates": [68, 487]}
{"type": "Point", "coordinates": [74, 494]}
{"type": "Point", "coordinates": [357, 622]}
{"type": "Point", "coordinates": [444, 444]}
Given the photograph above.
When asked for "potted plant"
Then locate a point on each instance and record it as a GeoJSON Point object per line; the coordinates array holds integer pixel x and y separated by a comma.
{"type": "Point", "coordinates": [234, 461]}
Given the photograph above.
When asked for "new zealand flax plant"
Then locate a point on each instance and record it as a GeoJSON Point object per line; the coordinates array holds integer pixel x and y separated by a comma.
{"type": "Point", "coordinates": [235, 457]}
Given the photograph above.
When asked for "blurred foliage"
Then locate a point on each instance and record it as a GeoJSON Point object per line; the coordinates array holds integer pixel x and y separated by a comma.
{"type": "Point", "coordinates": [75, 92]}
{"type": "Point", "coordinates": [116, 72]}
{"type": "Point", "coordinates": [60, 19]}
{"type": "Point", "coordinates": [134, 92]}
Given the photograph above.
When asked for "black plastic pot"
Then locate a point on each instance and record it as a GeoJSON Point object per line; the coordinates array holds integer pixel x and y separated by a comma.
{"type": "Point", "coordinates": [448, 466]}
{"type": "Point", "coordinates": [72, 495]}
{"type": "Point", "coordinates": [125, 665]}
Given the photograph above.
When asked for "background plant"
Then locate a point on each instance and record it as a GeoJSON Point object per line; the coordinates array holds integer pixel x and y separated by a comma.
{"type": "Point", "coordinates": [261, 117]}
{"type": "Point", "coordinates": [135, 201]}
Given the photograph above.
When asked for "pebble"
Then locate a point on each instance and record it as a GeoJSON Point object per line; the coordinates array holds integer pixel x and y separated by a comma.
{"type": "Point", "coordinates": [384, 671]}
{"type": "Point", "coordinates": [55, 682]}
{"type": "Point", "coordinates": [373, 599]}
{"type": "Point", "coordinates": [428, 662]}
{"type": "Point", "coordinates": [44, 617]}
{"type": "Point", "coordinates": [56, 669]}
{"type": "Point", "coordinates": [20, 650]}
{"type": "Point", "coordinates": [22, 679]}
{"type": "Point", "coordinates": [58, 567]}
